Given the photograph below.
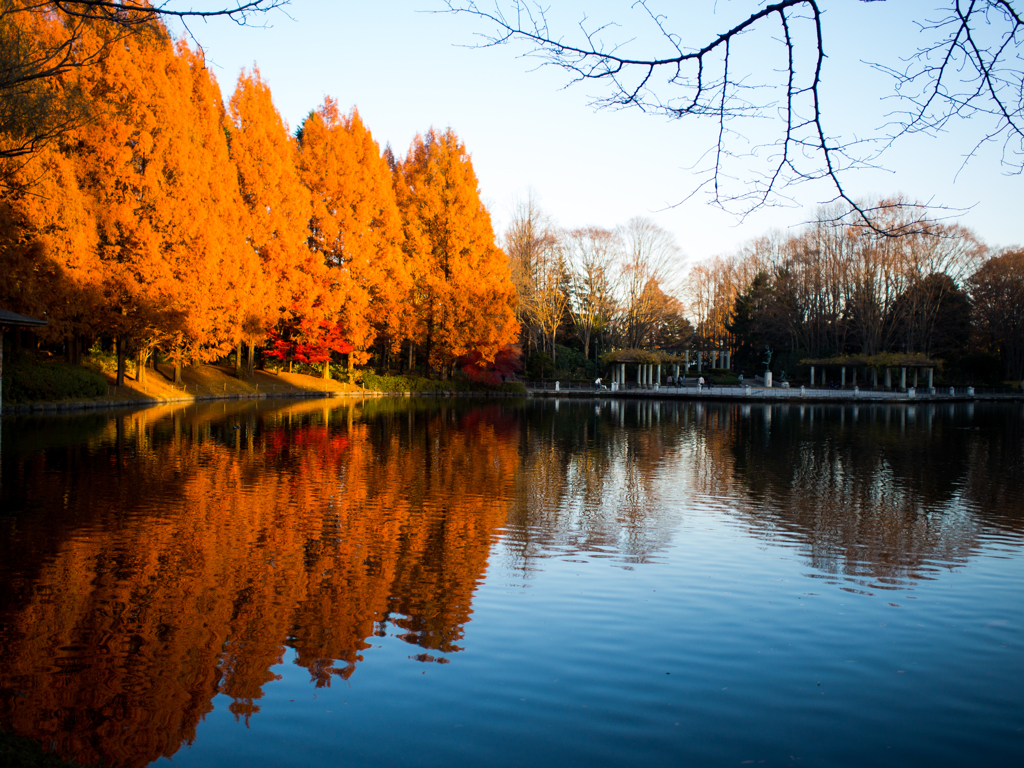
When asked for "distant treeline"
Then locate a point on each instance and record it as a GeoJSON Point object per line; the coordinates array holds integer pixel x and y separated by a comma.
{"type": "Point", "coordinates": [840, 287]}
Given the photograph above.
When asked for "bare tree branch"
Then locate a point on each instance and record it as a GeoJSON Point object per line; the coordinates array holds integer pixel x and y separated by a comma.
{"type": "Point", "coordinates": [973, 69]}
{"type": "Point", "coordinates": [240, 11]}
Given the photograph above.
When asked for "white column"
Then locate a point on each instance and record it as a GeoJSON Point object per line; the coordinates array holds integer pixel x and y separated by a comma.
{"type": "Point", "coordinates": [903, 378]}
{"type": "Point", "coordinates": [842, 376]}
{"type": "Point", "coordinates": [812, 375]}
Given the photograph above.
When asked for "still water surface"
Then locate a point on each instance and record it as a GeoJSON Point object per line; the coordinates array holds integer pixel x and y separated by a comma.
{"type": "Point", "coordinates": [516, 583]}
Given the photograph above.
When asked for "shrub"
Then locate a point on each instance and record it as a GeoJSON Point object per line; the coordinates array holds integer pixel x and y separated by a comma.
{"type": "Point", "coordinates": [377, 383]}
{"type": "Point", "coordinates": [28, 378]}
{"type": "Point", "coordinates": [572, 363]}
{"type": "Point", "coordinates": [100, 361]}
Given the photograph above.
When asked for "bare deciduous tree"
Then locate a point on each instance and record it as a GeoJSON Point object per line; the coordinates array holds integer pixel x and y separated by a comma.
{"type": "Point", "coordinates": [538, 272]}
{"type": "Point", "coordinates": [591, 254]}
{"type": "Point", "coordinates": [530, 245]}
{"type": "Point", "coordinates": [651, 260]}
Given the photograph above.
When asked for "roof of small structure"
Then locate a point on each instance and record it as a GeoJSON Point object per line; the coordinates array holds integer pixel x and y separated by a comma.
{"type": "Point", "coordinates": [643, 356]}
{"type": "Point", "coordinates": [13, 318]}
{"type": "Point", "coordinates": [883, 360]}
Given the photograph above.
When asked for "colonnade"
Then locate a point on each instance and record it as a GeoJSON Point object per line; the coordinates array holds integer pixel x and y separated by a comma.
{"type": "Point", "coordinates": [874, 377]}
{"type": "Point", "coordinates": [717, 358]}
{"type": "Point", "coordinates": [649, 375]}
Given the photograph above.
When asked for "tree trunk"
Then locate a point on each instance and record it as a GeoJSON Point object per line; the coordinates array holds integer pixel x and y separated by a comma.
{"type": "Point", "coordinates": [177, 366]}
{"type": "Point", "coordinates": [252, 359]}
{"type": "Point", "coordinates": [327, 369]}
{"type": "Point", "coordinates": [238, 360]}
{"type": "Point", "coordinates": [119, 381]}
{"type": "Point", "coordinates": [73, 349]}
{"type": "Point", "coordinates": [140, 366]}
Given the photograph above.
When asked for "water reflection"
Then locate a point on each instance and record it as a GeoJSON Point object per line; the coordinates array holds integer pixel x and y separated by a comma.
{"type": "Point", "coordinates": [151, 561]}
{"type": "Point", "coordinates": [880, 494]}
{"type": "Point", "coordinates": [589, 483]}
{"type": "Point", "coordinates": [174, 553]}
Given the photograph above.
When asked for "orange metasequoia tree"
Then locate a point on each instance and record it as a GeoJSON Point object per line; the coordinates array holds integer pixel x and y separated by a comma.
{"type": "Point", "coordinates": [294, 281]}
{"type": "Point", "coordinates": [355, 225]}
{"type": "Point", "coordinates": [131, 166]}
{"type": "Point", "coordinates": [224, 270]}
{"type": "Point", "coordinates": [464, 298]}
{"type": "Point", "coordinates": [48, 250]}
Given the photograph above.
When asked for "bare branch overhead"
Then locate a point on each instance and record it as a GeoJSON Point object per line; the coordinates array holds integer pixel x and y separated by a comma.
{"type": "Point", "coordinates": [968, 66]}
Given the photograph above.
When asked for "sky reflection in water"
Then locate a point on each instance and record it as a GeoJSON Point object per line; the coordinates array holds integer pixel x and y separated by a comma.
{"type": "Point", "coordinates": [512, 582]}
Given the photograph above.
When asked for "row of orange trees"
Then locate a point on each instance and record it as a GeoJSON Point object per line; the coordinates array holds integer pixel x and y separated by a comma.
{"type": "Point", "coordinates": [167, 221]}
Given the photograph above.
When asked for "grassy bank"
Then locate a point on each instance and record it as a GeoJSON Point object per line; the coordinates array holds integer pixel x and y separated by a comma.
{"type": "Point", "coordinates": [31, 378]}
{"type": "Point", "coordinates": [36, 378]}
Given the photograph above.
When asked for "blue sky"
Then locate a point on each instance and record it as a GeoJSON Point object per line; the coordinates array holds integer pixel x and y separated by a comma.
{"type": "Point", "coordinates": [407, 69]}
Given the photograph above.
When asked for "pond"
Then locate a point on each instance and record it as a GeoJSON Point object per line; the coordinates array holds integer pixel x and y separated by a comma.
{"type": "Point", "coordinates": [515, 582]}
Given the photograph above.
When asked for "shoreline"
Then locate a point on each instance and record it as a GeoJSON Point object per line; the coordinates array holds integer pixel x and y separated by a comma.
{"type": "Point", "coordinates": [783, 395]}
{"type": "Point", "coordinates": [136, 403]}
{"type": "Point", "coordinates": [727, 394]}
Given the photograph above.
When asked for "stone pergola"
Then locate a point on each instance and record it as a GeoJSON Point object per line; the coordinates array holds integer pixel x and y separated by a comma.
{"type": "Point", "coordinates": [12, 320]}
{"type": "Point", "coordinates": [649, 364]}
{"type": "Point", "coordinates": [872, 364]}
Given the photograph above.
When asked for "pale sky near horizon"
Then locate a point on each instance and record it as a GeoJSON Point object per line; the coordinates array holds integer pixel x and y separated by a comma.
{"type": "Point", "coordinates": [407, 69]}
